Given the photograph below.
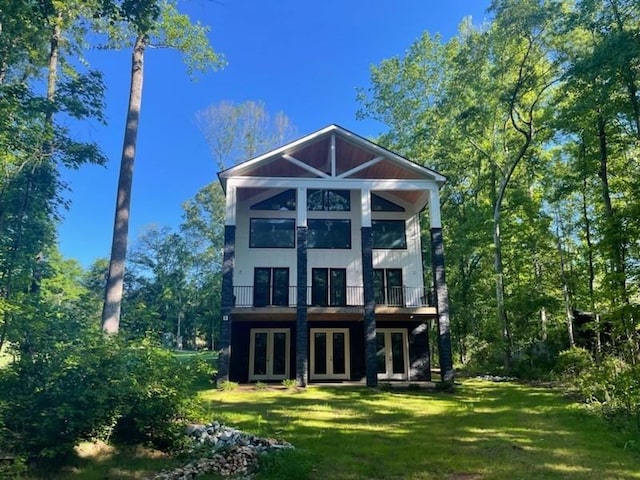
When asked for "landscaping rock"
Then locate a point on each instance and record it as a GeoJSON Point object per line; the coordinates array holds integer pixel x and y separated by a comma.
{"type": "Point", "coordinates": [223, 450]}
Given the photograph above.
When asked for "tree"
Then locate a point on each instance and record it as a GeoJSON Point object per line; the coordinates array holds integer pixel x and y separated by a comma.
{"type": "Point", "coordinates": [37, 39]}
{"type": "Point", "coordinates": [158, 23]}
{"type": "Point", "coordinates": [239, 132]}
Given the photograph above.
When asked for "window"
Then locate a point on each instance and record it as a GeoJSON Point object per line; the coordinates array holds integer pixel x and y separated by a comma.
{"type": "Point", "coordinates": [328, 200]}
{"type": "Point", "coordinates": [283, 201]}
{"type": "Point", "coordinates": [379, 204]}
{"type": "Point", "coordinates": [387, 286]}
{"type": "Point", "coordinates": [272, 233]}
{"type": "Point", "coordinates": [270, 287]}
{"type": "Point", "coordinates": [328, 286]}
{"type": "Point", "coordinates": [388, 234]}
{"type": "Point", "coordinates": [329, 233]}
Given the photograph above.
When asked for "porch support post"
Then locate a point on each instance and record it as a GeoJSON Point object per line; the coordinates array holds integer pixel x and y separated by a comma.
{"type": "Point", "coordinates": [302, 335]}
{"type": "Point", "coordinates": [370, 343]}
{"type": "Point", "coordinates": [441, 291]}
{"type": "Point", "coordinates": [224, 353]}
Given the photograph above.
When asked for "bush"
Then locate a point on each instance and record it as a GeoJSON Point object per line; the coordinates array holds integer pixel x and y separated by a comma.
{"type": "Point", "coordinates": [58, 391]}
{"type": "Point", "coordinates": [70, 382]}
{"type": "Point", "coordinates": [573, 363]}
{"type": "Point", "coordinates": [155, 400]}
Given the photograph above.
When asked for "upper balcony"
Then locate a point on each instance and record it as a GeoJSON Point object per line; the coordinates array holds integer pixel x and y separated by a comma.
{"type": "Point", "coordinates": [252, 300]}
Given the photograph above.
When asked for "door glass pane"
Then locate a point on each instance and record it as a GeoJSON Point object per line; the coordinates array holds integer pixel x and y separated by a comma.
{"type": "Point", "coordinates": [260, 353]}
{"type": "Point", "coordinates": [380, 353]}
{"type": "Point", "coordinates": [261, 286]}
{"type": "Point", "coordinates": [281, 286]}
{"type": "Point", "coordinates": [339, 360]}
{"type": "Point", "coordinates": [338, 286]}
{"type": "Point", "coordinates": [320, 287]}
{"type": "Point", "coordinates": [394, 287]}
{"type": "Point", "coordinates": [378, 286]}
{"type": "Point", "coordinates": [320, 353]}
{"type": "Point", "coordinates": [279, 353]}
{"type": "Point", "coordinates": [397, 352]}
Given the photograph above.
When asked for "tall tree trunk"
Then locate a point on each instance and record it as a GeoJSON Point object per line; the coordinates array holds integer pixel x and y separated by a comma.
{"type": "Point", "coordinates": [115, 277]}
{"type": "Point", "coordinates": [590, 263]}
{"type": "Point", "coordinates": [566, 290]}
{"type": "Point", "coordinates": [614, 235]}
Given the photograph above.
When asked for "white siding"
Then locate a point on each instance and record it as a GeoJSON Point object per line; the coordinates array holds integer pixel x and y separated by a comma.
{"type": "Point", "coordinates": [409, 259]}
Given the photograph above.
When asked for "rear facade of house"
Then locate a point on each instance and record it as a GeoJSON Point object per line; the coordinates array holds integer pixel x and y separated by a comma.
{"type": "Point", "coordinates": [324, 265]}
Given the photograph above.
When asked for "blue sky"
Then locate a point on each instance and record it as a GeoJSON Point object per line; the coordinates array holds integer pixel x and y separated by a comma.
{"type": "Point", "coordinates": [303, 58]}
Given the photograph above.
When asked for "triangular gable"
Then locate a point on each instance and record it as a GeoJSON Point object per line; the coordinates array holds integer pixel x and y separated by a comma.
{"type": "Point", "coordinates": [332, 152]}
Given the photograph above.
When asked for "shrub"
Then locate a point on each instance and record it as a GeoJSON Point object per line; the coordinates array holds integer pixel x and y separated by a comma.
{"type": "Point", "coordinates": [155, 398]}
{"type": "Point", "coordinates": [573, 363]}
{"type": "Point", "coordinates": [58, 391]}
{"type": "Point", "coordinates": [228, 386]}
{"type": "Point", "coordinates": [289, 383]}
{"type": "Point", "coordinates": [70, 382]}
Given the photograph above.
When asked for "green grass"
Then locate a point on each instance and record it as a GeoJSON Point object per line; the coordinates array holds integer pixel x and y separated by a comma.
{"type": "Point", "coordinates": [482, 431]}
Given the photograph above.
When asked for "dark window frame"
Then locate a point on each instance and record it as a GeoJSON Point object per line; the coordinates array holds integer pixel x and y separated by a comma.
{"type": "Point", "coordinates": [334, 290]}
{"type": "Point", "coordinates": [254, 236]}
{"type": "Point", "coordinates": [388, 286]}
{"type": "Point", "coordinates": [319, 237]}
{"type": "Point", "coordinates": [285, 200]}
{"type": "Point", "coordinates": [328, 200]}
{"type": "Point", "coordinates": [380, 204]}
{"type": "Point", "coordinates": [381, 234]}
{"type": "Point", "coordinates": [273, 291]}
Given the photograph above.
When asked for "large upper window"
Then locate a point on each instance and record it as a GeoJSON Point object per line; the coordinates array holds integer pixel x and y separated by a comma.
{"type": "Point", "coordinates": [283, 201]}
{"type": "Point", "coordinates": [272, 233]}
{"type": "Point", "coordinates": [388, 234]}
{"type": "Point", "coordinates": [329, 233]}
{"type": "Point", "coordinates": [328, 200]}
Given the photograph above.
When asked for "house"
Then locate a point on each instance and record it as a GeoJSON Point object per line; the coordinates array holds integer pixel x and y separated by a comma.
{"type": "Point", "coordinates": [323, 274]}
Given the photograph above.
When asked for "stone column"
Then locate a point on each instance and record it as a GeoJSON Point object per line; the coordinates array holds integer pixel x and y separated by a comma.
{"type": "Point", "coordinates": [302, 329]}
{"type": "Point", "coordinates": [302, 336]}
{"type": "Point", "coordinates": [370, 346]}
{"type": "Point", "coordinates": [224, 353]}
{"type": "Point", "coordinates": [441, 291]}
{"type": "Point", "coordinates": [370, 343]}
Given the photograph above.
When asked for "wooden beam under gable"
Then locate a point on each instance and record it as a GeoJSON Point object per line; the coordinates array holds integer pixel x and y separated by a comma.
{"type": "Point", "coordinates": [362, 166]}
{"type": "Point", "coordinates": [305, 166]}
{"type": "Point", "coordinates": [332, 155]}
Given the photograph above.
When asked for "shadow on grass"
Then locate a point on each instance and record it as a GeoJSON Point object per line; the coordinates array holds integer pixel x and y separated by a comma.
{"type": "Point", "coordinates": [99, 461]}
{"type": "Point", "coordinates": [482, 431]}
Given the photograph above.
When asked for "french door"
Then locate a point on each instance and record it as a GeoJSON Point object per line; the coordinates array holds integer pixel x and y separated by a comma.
{"type": "Point", "coordinates": [392, 353]}
{"type": "Point", "coordinates": [270, 287]}
{"type": "Point", "coordinates": [387, 286]}
{"type": "Point", "coordinates": [269, 354]}
{"type": "Point", "coordinates": [328, 287]}
{"type": "Point", "coordinates": [330, 354]}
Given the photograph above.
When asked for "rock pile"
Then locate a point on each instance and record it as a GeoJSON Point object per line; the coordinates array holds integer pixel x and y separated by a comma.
{"type": "Point", "coordinates": [224, 450]}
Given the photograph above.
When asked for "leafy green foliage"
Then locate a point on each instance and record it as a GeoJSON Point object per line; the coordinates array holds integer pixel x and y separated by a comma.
{"type": "Point", "coordinates": [156, 398]}
{"type": "Point", "coordinates": [69, 382]}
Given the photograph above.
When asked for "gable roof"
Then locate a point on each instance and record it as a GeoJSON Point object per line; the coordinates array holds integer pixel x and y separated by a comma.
{"type": "Point", "coordinates": [334, 153]}
{"type": "Point", "coordinates": [355, 157]}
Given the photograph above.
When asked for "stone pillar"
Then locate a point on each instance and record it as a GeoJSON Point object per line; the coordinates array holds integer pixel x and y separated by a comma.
{"type": "Point", "coordinates": [442, 304]}
{"type": "Point", "coordinates": [224, 353]}
{"type": "Point", "coordinates": [302, 335]}
{"type": "Point", "coordinates": [370, 344]}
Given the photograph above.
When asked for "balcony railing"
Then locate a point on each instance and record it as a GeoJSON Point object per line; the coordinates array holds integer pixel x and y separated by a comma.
{"type": "Point", "coordinates": [405, 297]}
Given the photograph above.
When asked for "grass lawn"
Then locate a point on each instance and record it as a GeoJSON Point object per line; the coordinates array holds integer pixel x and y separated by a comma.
{"type": "Point", "coordinates": [482, 431]}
